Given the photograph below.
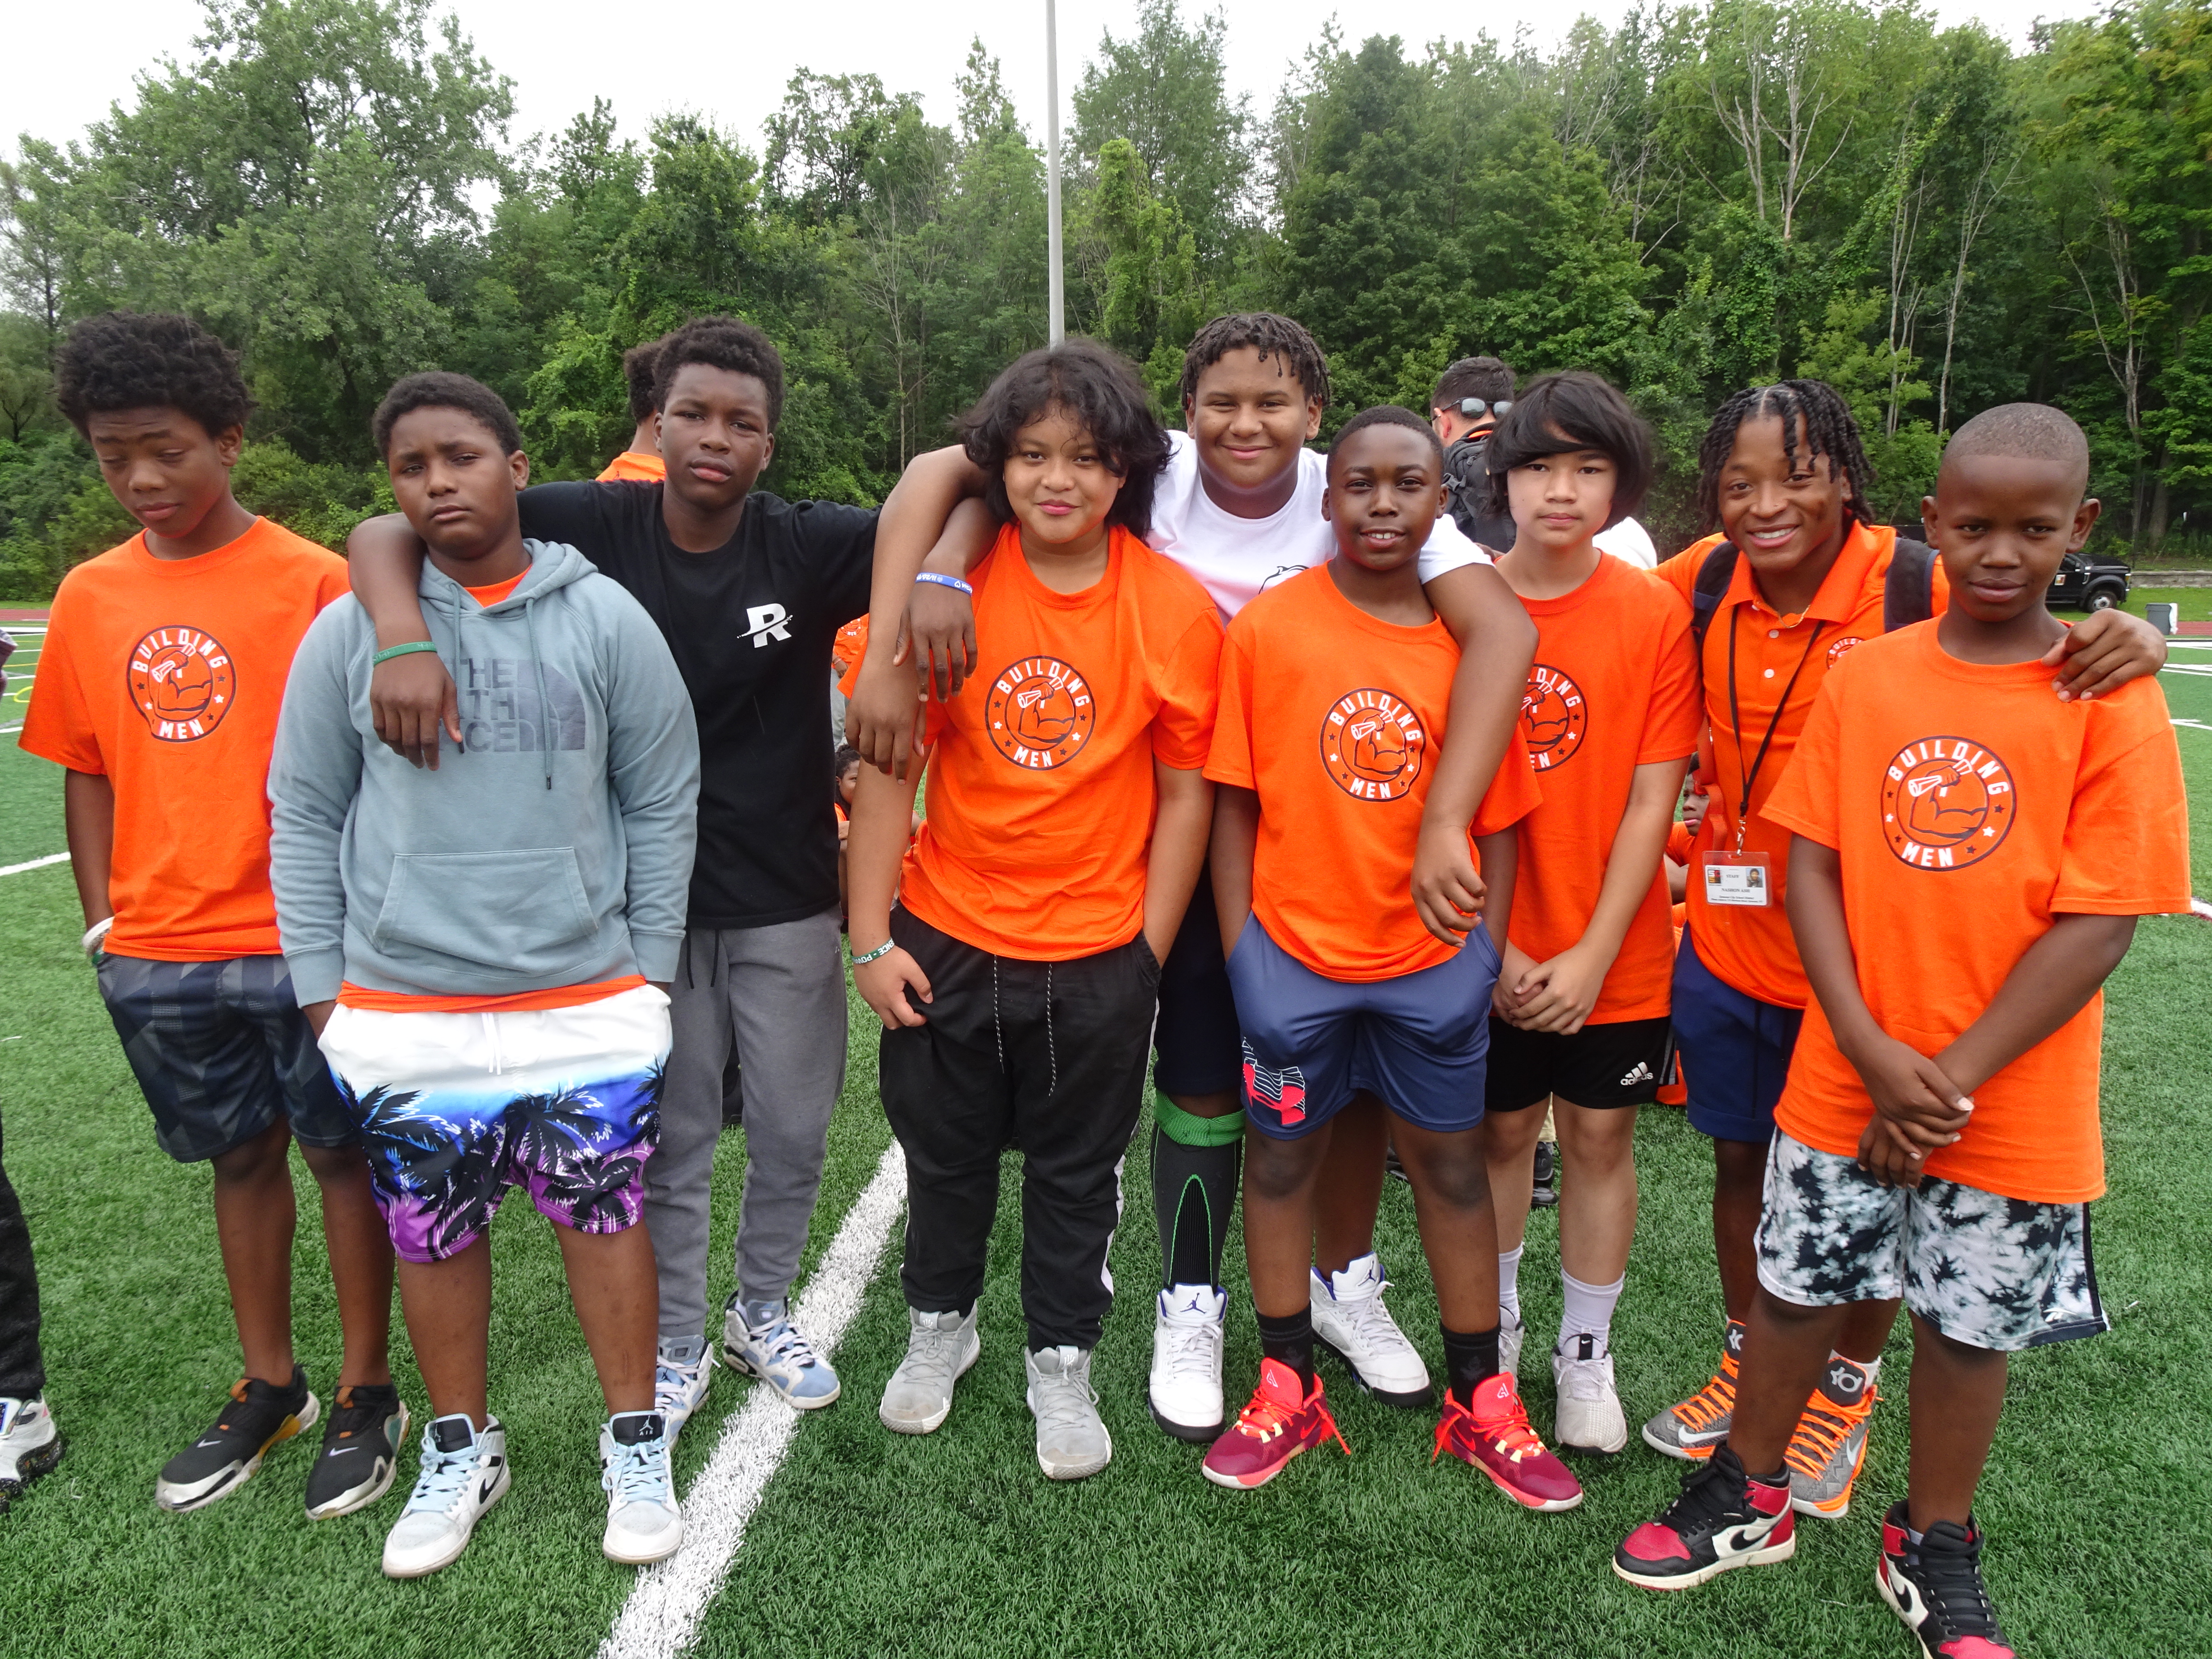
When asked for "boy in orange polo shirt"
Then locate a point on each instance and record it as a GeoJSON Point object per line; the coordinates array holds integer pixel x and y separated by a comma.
{"type": "Point", "coordinates": [1017, 977]}
{"type": "Point", "coordinates": [1803, 576]}
{"type": "Point", "coordinates": [1969, 859]}
{"type": "Point", "coordinates": [158, 691]}
{"type": "Point", "coordinates": [643, 462]}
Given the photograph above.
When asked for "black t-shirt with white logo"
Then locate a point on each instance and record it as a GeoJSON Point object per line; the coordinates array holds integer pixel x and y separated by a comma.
{"type": "Point", "coordinates": [750, 626]}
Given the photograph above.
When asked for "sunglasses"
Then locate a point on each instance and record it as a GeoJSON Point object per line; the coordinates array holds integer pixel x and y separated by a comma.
{"type": "Point", "coordinates": [1475, 409]}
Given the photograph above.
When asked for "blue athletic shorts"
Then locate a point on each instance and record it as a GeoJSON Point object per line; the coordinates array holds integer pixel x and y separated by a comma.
{"type": "Point", "coordinates": [1736, 1051]}
{"type": "Point", "coordinates": [1419, 1043]}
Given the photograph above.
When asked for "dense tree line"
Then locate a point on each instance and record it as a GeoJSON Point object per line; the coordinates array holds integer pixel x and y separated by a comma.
{"type": "Point", "coordinates": [1711, 194]}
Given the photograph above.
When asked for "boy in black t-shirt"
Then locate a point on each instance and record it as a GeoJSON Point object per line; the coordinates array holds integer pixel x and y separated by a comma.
{"type": "Point", "coordinates": [749, 590]}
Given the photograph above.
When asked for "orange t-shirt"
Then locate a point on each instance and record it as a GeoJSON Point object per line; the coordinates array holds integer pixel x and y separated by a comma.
{"type": "Point", "coordinates": [850, 646]}
{"type": "Point", "coordinates": [634, 466]}
{"type": "Point", "coordinates": [165, 676]}
{"type": "Point", "coordinates": [1332, 717]}
{"type": "Point", "coordinates": [519, 1002]}
{"type": "Point", "coordinates": [492, 593]}
{"type": "Point", "coordinates": [1969, 807]}
{"type": "Point", "coordinates": [1749, 946]}
{"type": "Point", "coordinates": [1614, 686]}
{"type": "Point", "coordinates": [1041, 787]}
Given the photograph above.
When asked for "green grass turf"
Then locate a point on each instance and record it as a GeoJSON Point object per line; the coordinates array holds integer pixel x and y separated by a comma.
{"type": "Point", "coordinates": [954, 1544]}
{"type": "Point", "coordinates": [2195, 602]}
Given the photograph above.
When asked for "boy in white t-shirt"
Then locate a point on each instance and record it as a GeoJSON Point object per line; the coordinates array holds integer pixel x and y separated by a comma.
{"type": "Point", "coordinates": [1239, 508]}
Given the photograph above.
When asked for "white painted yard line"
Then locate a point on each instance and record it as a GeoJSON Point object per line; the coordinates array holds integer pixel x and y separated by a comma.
{"type": "Point", "coordinates": [662, 1615]}
{"type": "Point", "coordinates": [2194, 725]}
{"type": "Point", "coordinates": [35, 864]}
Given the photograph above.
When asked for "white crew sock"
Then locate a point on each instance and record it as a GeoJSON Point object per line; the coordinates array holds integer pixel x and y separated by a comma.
{"type": "Point", "coordinates": [1508, 1283]}
{"type": "Point", "coordinates": [1588, 1309]}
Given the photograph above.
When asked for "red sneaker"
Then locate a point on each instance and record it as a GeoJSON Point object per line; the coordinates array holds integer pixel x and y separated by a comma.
{"type": "Point", "coordinates": [1281, 1422]}
{"type": "Point", "coordinates": [1495, 1437]}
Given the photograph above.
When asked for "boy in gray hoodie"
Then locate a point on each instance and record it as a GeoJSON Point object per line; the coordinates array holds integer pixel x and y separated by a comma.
{"type": "Point", "coordinates": [483, 949]}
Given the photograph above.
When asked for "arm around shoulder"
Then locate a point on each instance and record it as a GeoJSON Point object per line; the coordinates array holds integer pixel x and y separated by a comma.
{"type": "Point", "coordinates": [411, 697]}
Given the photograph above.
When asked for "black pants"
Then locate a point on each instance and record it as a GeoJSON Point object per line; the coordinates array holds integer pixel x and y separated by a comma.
{"type": "Point", "coordinates": [1048, 1057]}
{"type": "Point", "coordinates": [22, 1372]}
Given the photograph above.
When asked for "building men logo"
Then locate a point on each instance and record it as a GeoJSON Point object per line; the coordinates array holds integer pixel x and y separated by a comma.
{"type": "Point", "coordinates": [1947, 803]}
{"type": "Point", "coordinates": [1842, 648]}
{"type": "Point", "coordinates": [1554, 717]}
{"type": "Point", "coordinates": [182, 681]}
{"type": "Point", "coordinates": [1372, 745]}
{"type": "Point", "coordinates": [1040, 713]}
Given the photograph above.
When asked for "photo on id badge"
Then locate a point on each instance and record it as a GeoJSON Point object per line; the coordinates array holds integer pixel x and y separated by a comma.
{"type": "Point", "coordinates": [1736, 878]}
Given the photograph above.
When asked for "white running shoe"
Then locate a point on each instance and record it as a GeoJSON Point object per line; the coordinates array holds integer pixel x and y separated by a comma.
{"type": "Point", "coordinates": [939, 1349]}
{"type": "Point", "coordinates": [644, 1522]}
{"type": "Point", "coordinates": [1512, 1333]}
{"type": "Point", "coordinates": [1186, 1382]}
{"type": "Point", "coordinates": [1072, 1441]}
{"type": "Point", "coordinates": [1589, 1417]}
{"type": "Point", "coordinates": [30, 1445]}
{"type": "Point", "coordinates": [680, 1373]}
{"type": "Point", "coordinates": [1350, 1320]}
{"type": "Point", "coordinates": [463, 1474]}
{"type": "Point", "coordinates": [759, 1340]}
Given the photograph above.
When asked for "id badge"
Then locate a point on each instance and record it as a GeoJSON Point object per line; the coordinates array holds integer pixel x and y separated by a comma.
{"type": "Point", "coordinates": [1736, 878]}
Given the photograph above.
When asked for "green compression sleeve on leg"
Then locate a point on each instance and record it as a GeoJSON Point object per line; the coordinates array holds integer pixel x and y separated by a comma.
{"type": "Point", "coordinates": [1186, 1129]}
{"type": "Point", "coordinates": [1194, 1190]}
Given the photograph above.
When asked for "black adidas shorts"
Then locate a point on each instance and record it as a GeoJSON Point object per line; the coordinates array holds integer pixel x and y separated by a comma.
{"type": "Point", "coordinates": [1601, 1066]}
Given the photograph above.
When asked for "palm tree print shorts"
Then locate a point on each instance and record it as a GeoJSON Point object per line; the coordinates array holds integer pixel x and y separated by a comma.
{"type": "Point", "coordinates": [455, 1108]}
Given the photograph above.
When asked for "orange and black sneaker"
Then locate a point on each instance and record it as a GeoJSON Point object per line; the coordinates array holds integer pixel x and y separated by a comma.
{"type": "Point", "coordinates": [1281, 1421]}
{"type": "Point", "coordinates": [1829, 1447]}
{"type": "Point", "coordinates": [1692, 1430]}
{"type": "Point", "coordinates": [1495, 1435]}
{"type": "Point", "coordinates": [257, 1416]}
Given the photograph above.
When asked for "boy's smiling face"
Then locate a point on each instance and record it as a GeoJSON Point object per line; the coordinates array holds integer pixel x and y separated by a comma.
{"type": "Point", "coordinates": [1778, 511]}
{"type": "Point", "coordinates": [1250, 418]}
{"type": "Point", "coordinates": [1057, 482]}
{"type": "Point", "coordinates": [454, 484]}
{"type": "Point", "coordinates": [168, 470]}
{"type": "Point", "coordinates": [715, 436]}
{"type": "Point", "coordinates": [2002, 523]}
{"type": "Point", "coordinates": [1385, 490]}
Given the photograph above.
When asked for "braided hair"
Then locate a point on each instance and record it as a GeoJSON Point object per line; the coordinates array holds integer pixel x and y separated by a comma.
{"type": "Point", "coordinates": [1266, 332]}
{"type": "Point", "coordinates": [1811, 410]}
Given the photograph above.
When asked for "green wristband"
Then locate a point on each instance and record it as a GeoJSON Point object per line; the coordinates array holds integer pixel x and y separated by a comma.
{"type": "Point", "coordinates": [392, 651]}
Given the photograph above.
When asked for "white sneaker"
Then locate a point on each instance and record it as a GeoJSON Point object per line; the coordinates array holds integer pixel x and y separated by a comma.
{"type": "Point", "coordinates": [680, 1373]}
{"type": "Point", "coordinates": [759, 1340]}
{"type": "Point", "coordinates": [1511, 1334]}
{"type": "Point", "coordinates": [30, 1445]}
{"type": "Point", "coordinates": [463, 1474]}
{"type": "Point", "coordinates": [1186, 1382]}
{"type": "Point", "coordinates": [939, 1349]}
{"type": "Point", "coordinates": [1072, 1441]}
{"type": "Point", "coordinates": [1350, 1320]}
{"type": "Point", "coordinates": [644, 1522]}
{"type": "Point", "coordinates": [1589, 1417]}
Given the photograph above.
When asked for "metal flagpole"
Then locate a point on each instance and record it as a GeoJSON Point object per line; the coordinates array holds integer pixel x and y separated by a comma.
{"type": "Point", "coordinates": [1057, 322]}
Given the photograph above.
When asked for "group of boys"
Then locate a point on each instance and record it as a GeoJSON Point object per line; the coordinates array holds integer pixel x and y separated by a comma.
{"type": "Point", "coordinates": [445, 969]}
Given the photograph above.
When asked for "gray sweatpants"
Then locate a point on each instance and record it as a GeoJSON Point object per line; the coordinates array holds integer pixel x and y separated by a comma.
{"type": "Point", "coordinates": [781, 992]}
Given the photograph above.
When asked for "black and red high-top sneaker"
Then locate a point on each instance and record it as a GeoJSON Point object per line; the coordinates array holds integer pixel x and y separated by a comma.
{"type": "Point", "coordinates": [1722, 1519]}
{"type": "Point", "coordinates": [1935, 1585]}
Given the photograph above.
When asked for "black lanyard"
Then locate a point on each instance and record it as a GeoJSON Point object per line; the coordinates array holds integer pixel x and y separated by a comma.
{"type": "Point", "coordinates": [1736, 718]}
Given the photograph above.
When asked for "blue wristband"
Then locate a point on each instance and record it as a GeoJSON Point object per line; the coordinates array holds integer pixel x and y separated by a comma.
{"type": "Point", "coordinates": [946, 581]}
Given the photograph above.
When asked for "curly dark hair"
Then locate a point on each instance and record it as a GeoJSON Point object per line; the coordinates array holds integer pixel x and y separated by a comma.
{"type": "Point", "coordinates": [722, 342]}
{"type": "Point", "coordinates": [641, 374]}
{"type": "Point", "coordinates": [437, 389]}
{"type": "Point", "coordinates": [144, 360]}
{"type": "Point", "coordinates": [1100, 391]}
{"type": "Point", "coordinates": [1573, 410]}
{"type": "Point", "coordinates": [1813, 413]}
{"type": "Point", "coordinates": [1266, 332]}
{"type": "Point", "coordinates": [1386, 415]}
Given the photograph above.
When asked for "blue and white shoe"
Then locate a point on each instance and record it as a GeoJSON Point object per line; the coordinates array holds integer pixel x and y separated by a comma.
{"type": "Point", "coordinates": [680, 1372]}
{"type": "Point", "coordinates": [758, 1340]}
{"type": "Point", "coordinates": [464, 1474]}
{"type": "Point", "coordinates": [644, 1522]}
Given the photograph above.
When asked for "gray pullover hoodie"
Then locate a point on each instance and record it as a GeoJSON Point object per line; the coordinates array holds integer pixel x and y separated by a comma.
{"type": "Point", "coordinates": [554, 849]}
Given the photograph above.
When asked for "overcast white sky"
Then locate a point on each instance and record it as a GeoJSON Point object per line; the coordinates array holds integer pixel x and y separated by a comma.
{"type": "Point", "coordinates": [731, 62]}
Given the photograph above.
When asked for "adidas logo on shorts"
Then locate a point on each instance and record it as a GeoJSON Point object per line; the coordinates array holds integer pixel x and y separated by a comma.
{"type": "Point", "coordinates": [1641, 1074]}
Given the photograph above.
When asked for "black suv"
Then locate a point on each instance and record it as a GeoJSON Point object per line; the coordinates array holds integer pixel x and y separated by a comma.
{"type": "Point", "coordinates": [2088, 582]}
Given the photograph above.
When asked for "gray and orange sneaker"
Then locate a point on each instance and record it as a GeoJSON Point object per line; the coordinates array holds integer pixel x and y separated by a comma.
{"type": "Point", "coordinates": [1829, 1444]}
{"type": "Point", "coordinates": [1495, 1435]}
{"type": "Point", "coordinates": [1281, 1420]}
{"type": "Point", "coordinates": [1692, 1430]}
{"type": "Point", "coordinates": [258, 1416]}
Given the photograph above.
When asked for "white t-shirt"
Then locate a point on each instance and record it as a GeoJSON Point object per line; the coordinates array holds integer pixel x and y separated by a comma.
{"type": "Point", "coordinates": [1235, 558]}
{"type": "Point", "coordinates": [1629, 542]}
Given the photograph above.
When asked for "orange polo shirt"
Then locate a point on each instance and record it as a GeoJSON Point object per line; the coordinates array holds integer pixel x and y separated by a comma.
{"type": "Point", "coordinates": [1749, 947]}
{"type": "Point", "coordinates": [634, 466]}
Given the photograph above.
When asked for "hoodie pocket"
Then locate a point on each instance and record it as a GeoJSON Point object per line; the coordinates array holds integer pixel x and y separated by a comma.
{"type": "Point", "coordinates": [510, 910]}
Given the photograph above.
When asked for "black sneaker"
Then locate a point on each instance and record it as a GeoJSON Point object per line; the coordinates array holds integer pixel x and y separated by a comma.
{"type": "Point", "coordinates": [360, 1451]}
{"type": "Point", "coordinates": [1723, 1520]}
{"type": "Point", "coordinates": [224, 1458]}
{"type": "Point", "coordinates": [1546, 1193]}
{"type": "Point", "coordinates": [1935, 1586]}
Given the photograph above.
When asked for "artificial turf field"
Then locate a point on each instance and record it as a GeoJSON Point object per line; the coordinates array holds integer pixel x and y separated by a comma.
{"type": "Point", "coordinates": [869, 1543]}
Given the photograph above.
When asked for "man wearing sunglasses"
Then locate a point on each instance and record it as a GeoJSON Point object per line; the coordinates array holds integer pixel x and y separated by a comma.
{"type": "Point", "coordinates": [1470, 397]}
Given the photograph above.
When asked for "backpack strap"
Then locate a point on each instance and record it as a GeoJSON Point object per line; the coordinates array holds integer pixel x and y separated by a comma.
{"type": "Point", "coordinates": [1714, 576]}
{"type": "Point", "coordinates": [1908, 590]}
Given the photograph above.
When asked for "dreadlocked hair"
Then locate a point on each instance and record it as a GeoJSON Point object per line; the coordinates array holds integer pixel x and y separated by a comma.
{"type": "Point", "coordinates": [1266, 332]}
{"type": "Point", "coordinates": [1812, 412]}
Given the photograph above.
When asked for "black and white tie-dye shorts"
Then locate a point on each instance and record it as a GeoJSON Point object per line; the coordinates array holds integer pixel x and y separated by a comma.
{"type": "Point", "coordinates": [1994, 1273]}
